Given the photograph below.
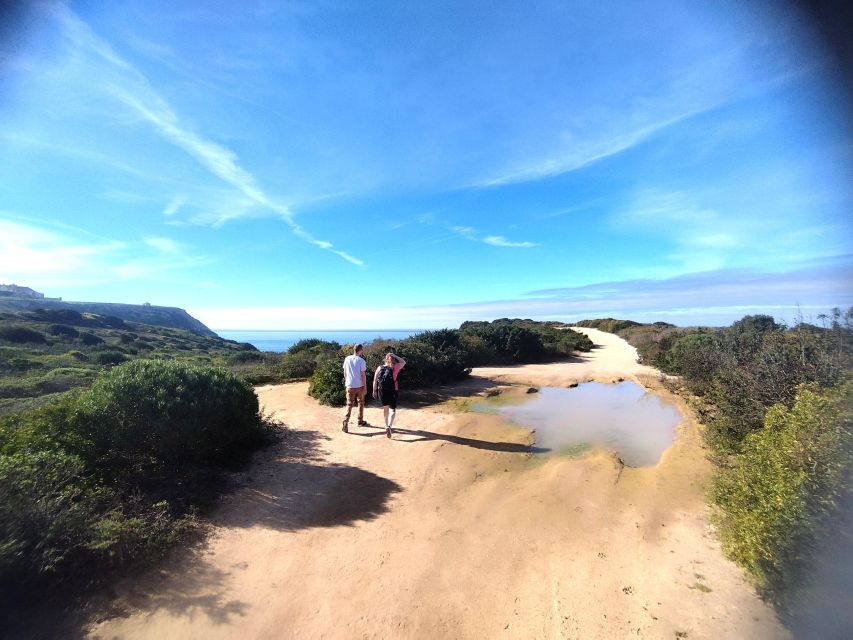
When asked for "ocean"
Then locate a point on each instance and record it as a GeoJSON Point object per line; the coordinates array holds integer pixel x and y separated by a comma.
{"type": "Point", "coordinates": [283, 340]}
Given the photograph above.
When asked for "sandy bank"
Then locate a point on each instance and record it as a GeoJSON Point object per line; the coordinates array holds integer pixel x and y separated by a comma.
{"type": "Point", "coordinates": [452, 529]}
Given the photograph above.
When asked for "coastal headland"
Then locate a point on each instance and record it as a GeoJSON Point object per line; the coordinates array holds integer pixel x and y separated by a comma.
{"type": "Point", "coordinates": [452, 529]}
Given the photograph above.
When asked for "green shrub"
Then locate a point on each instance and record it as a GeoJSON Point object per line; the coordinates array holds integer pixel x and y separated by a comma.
{"type": "Point", "coordinates": [784, 484]}
{"type": "Point", "coordinates": [300, 364]}
{"type": "Point", "coordinates": [327, 383]}
{"type": "Point", "coordinates": [446, 355]}
{"type": "Point", "coordinates": [19, 334]}
{"type": "Point", "coordinates": [46, 509]}
{"type": "Point", "coordinates": [243, 357]}
{"type": "Point", "coordinates": [153, 412]}
{"type": "Point", "coordinates": [696, 356]}
{"type": "Point", "coordinates": [109, 357]}
{"type": "Point", "coordinates": [312, 344]}
{"type": "Point", "coordinates": [610, 325]}
{"type": "Point", "coordinates": [508, 342]}
{"type": "Point", "coordinates": [90, 339]}
{"type": "Point", "coordinates": [63, 330]}
{"type": "Point", "coordinates": [57, 522]}
{"type": "Point", "coordinates": [16, 363]}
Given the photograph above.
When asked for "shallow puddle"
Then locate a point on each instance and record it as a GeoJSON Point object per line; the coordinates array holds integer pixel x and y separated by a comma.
{"type": "Point", "coordinates": [625, 418]}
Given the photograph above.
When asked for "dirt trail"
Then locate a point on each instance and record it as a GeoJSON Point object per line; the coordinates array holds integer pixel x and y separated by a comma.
{"type": "Point", "coordinates": [452, 530]}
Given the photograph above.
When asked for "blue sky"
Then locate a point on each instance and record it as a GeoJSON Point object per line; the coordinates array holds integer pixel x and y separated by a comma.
{"type": "Point", "coordinates": [319, 165]}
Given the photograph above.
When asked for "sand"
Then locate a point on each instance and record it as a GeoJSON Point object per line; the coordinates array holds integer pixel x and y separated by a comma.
{"type": "Point", "coordinates": [452, 530]}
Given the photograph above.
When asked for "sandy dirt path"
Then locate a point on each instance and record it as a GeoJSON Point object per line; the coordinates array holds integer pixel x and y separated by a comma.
{"type": "Point", "coordinates": [452, 530]}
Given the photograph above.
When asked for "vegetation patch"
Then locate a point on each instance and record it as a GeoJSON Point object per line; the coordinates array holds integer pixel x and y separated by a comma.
{"type": "Point", "coordinates": [111, 476]}
{"type": "Point", "coordinates": [447, 355]}
{"type": "Point", "coordinates": [776, 405]}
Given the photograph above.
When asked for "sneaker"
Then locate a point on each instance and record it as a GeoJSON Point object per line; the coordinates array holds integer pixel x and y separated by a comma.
{"type": "Point", "coordinates": [387, 432]}
{"type": "Point", "coordinates": [363, 423]}
{"type": "Point", "coordinates": [345, 428]}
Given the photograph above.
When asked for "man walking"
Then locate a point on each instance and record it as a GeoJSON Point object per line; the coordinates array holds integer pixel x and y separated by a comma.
{"type": "Point", "coordinates": [355, 381]}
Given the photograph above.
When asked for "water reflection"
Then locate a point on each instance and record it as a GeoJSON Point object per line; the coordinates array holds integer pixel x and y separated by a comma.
{"type": "Point", "coordinates": [639, 426]}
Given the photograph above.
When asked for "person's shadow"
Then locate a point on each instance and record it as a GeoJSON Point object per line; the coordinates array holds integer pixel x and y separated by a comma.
{"type": "Point", "coordinates": [420, 435]}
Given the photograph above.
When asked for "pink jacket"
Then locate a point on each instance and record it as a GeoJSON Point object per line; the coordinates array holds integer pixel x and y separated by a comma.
{"type": "Point", "coordinates": [395, 371]}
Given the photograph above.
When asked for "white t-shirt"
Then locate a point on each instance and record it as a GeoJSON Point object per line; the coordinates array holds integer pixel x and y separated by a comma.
{"type": "Point", "coordinates": [354, 366]}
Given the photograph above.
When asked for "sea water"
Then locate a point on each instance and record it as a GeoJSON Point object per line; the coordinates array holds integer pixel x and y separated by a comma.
{"type": "Point", "coordinates": [283, 340]}
{"type": "Point", "coordinates": [624, 418]}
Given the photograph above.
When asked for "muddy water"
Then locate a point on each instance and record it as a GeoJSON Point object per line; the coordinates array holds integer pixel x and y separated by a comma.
{"type": "Point", "coordinates": [625, 418]}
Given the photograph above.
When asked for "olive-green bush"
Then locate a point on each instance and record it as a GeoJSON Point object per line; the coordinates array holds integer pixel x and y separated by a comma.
{"type": "Point", "coordinates": [783, 485]}
{"type": "Point", "coordinates": [110, 475]}
{"type": "Point", "coordinates": [20, 334]}
{"type": "Point", "coordinates": [447, 355]}
{"type": "Point", "coordinates": [327, 383]}
{"type": "Point", "coordinates": [150, 412]}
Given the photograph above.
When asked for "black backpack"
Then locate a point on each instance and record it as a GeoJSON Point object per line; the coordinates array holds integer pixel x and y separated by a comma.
{"type": "Point", "coordinates": [386, 380]}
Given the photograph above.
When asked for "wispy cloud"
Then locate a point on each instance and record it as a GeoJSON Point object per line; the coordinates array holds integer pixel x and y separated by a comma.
{"type": "Point", "coordinates": [54, 259]}
{"type": "Point", "coordinates": [132, 89]}
{"type": "Point", "coordinates": [175, 204]}
{"type": "Point", "coordinates": [578, 208]}
{"type": "Point", "coordinates": [821, 282]}
{"type": "Point", "coordinates": [673, 93]}
{"type": "Point", "coordinates": [610, 139]}
{"type": "Point", "coordinates": [472, 234]}
{"type": "Point", "coordinates": [165, 245]}
{"type": "Point", "coordinates": [500, 241]}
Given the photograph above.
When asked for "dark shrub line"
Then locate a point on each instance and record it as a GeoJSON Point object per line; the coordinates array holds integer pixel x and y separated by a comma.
{"type": "Point", "coordinates": [447, 355]}
{"type": "Point", "coordinates": [111, 475]}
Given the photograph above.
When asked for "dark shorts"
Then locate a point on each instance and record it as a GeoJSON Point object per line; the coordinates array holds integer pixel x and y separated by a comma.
{"type": "Point", "coordinates": [388, 398]}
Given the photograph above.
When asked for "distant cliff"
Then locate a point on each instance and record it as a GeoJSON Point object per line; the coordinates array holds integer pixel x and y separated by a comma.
{"type": "Point", "coordinates": [143, 313]}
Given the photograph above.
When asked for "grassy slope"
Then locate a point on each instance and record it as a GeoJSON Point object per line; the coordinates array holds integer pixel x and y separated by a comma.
{"type": "Point", "coordinates": [69, 349]}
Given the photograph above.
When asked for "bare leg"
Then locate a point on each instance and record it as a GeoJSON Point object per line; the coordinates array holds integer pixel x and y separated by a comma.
{"type": "Point", "coordinates": [391, 419]}
{"type": "Point", "coordinates": [385, 414]}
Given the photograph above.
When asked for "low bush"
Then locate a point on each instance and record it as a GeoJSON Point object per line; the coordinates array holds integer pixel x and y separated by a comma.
{"type": "Point", "coordinates": [610, 325]}
{"type": "Point", "coordinates": [243, 357]}
{"type": "Point", "coordinates": [784, 484]}
{"type": "Point", "coordinates": [446, 355]}
{"type": "Point", "coordinates": [57, 521]}
{"type": "Point", "coordinates": [327, 383]}
{"type": "Point", "coordinates": [110, 357]}
{"type": "Point", "coordinates": [90, 339]}
{"type": "Point", "coordinates": [107, 476]}
{"type": "Point", "coordinates": [506, 342]}
{"type": "Point", "coordinates": [63, 330]}
{"type": "Point", "coordinates": [20, 335]}
{"type": "Point", "coordinates": [151, 412]}
{"type": "Point", "coordinates": [47, 507]}
{"type": "Point", "coordinates": [312, 344]}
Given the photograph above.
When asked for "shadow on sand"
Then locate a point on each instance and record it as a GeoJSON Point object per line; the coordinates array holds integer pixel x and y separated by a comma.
{"type": "Point", "coordinates": [290, 488]}
{"type": "Point", "coordinates": [287, 487]}
{"type": "Point", "coordinates": [505, 447]}
{"type": "Point", "coordinates": [420, 435]}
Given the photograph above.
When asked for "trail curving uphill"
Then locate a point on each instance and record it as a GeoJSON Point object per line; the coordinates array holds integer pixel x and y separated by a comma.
{"type": "Point", "coordinates": [451, 530]}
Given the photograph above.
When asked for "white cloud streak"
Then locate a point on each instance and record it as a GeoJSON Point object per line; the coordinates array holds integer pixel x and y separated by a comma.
{"type": "Point", "coordinates": [578, 154]}
{"type": "Point", "coordinates": [132, 89]}
{"type": "Point", "coordinates": [469, 233]}
{"type": "Point", "coordinates": [165, 245]}
{"type": "Point", "coordinates": [500, 241]}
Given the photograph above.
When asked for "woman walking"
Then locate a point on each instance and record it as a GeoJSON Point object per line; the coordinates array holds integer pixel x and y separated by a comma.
{"type": "Point", "coordinates": [385, 387]}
